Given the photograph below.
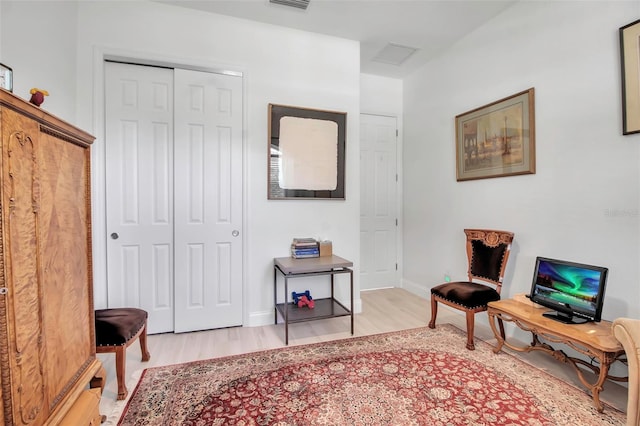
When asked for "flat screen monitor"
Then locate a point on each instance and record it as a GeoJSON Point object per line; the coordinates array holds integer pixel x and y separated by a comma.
{"type": "Point", "coordinates": [574, 291]}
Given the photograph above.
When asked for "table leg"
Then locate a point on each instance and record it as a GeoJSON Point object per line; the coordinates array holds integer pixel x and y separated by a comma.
{"type": "Point", "coordinates": [498, 335]}
{"type": "Point", "coordinates": [286, 311]}
{"type": "Point", "coordinates": [501, 325]}
{"type": "Point", "coordinates": [275, 295]}
{"type": "Point", "coordinates": [351, 285]}
{"type": "Point", "coordinates": [332, 293]}
{"type": "Point", "coordinates": [605, 359]}
{"type": "Point", "coordinates": [597, 387]}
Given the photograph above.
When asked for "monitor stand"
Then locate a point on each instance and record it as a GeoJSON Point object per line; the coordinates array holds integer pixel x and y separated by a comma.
{"type": "Point", "coordinates": [567, 319]}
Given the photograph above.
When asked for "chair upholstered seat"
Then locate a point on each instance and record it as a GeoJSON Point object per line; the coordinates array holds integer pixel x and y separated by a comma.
{"type": "Point", "coordinates": [116, 329]}
{"type": "Point", "coordinates": [118, 326]}
{"type": "Point", "coordinates": [466, 293]}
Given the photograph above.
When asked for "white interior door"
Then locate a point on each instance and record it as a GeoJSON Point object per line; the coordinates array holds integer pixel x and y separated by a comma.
{"type": "Point", "coordinates": [174, 195]}
{"type": "Point", "coordinates": [378, 202]}
{"type": "Point", "coordinates": [139, 190]}
{"type": "Point", "coordinates": [208, 204]}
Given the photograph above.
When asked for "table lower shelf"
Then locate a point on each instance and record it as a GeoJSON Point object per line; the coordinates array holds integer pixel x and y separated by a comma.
{"type": "Point", "coordinates": [323, 308]}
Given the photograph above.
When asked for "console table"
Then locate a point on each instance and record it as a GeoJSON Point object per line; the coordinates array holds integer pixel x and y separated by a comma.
{"type": "Point", "coordinates": [329, 307]}
{"type": "Point", "coordinates": [593, 339]}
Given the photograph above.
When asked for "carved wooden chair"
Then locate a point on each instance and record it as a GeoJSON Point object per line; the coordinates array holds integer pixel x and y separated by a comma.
{"type": "Point", "coordinates": [116, 329]}
{"type": "Point", "coordinates": [487, 253]}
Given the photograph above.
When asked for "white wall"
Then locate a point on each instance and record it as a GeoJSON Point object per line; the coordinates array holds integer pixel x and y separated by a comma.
{"type": "Point", "coordinates": [380, 95]}
{"type": "Point", "coordinates": [583, 202]}
{"type": "Point", "coordinates": [280, 66]}
{"type": "Point", "coordinates": [37, 40]}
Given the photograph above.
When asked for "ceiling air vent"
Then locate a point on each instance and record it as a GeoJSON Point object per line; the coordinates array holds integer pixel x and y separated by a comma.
{"type": "Point", "coordinates": [298, 4]}
{"type": "Point", "coordinates": [394, 54]}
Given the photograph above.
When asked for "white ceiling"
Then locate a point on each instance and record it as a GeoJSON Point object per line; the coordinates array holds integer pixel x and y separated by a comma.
{"type": "Point", "coordinates": [431, 26]}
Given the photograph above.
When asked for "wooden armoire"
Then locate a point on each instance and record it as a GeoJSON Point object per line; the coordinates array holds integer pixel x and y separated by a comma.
{"type": "Point", "coordinates": [47, 329]}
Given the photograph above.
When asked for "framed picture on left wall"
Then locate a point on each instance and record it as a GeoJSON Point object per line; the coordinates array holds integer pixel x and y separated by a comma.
{"type": "Point", "coordinates": [306, 153]}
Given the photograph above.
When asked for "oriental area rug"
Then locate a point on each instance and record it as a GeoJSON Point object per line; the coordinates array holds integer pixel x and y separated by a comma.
{"type": "Point", "coordinates": [412, 377]}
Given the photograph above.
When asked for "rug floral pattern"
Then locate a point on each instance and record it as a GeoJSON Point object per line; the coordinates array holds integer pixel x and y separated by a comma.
{"type": "Point", "coordinates": [412, 377]}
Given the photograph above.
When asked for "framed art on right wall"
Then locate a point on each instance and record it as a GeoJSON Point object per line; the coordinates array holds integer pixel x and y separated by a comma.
{"type": "Point", "coordinates": [497, 139]}
{"type": "Point", "coordinates": [629, 58]}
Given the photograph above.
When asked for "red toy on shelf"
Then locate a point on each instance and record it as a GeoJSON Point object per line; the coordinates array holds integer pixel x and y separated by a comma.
{"type": "Point", "coordinates": [37, 96]}
{"type": "Point", "coordinates": [303, 299]}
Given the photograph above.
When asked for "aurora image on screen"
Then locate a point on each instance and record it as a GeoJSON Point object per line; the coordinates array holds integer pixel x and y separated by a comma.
{"type": "Point", "coordinates": [569, 285]}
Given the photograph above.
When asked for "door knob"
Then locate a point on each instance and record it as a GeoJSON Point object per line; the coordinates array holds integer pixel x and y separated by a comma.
{"type": "Point", "coordinates": [114, 236]}
{"type": "Point", "coordinates": [235, 233]}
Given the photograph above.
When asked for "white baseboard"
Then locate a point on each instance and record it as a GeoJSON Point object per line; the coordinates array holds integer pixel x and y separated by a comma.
{"type": "Point", "coordinates": [419, 290]}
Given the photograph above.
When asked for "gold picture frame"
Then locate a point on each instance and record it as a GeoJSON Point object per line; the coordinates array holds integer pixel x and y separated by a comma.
{"type": "Point", "coordinates": [497, 139]}
{"type": "Point", "coordinates": [629, 58]}
{"type": "Point", "coordinates": [306, 153]}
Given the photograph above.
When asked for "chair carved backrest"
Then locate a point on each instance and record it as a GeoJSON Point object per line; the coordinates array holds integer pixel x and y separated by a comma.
{"type": "Point", "coordinates": [488, 251]}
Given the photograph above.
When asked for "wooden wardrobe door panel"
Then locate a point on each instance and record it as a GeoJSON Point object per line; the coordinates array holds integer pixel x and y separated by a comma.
{"type": "Point", "coordinates": [65, 244]}
{"type": "Point", "coordinates": [20, 200]}
{"type": "Point", "coordinates": [47, 327]}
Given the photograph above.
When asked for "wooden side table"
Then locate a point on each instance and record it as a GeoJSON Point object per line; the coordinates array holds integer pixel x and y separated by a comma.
{"type": "Point", "coordinates": [329, 307]}
{"type": "Point", "coordinates": [593, 339]}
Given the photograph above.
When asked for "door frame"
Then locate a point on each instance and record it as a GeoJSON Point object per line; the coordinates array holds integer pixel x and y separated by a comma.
{"type": "Point", "coordinates": [98, 160]}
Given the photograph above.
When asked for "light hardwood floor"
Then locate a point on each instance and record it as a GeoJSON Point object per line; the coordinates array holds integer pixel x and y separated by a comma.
{"type": "Point", "coordinates": [383, 311]}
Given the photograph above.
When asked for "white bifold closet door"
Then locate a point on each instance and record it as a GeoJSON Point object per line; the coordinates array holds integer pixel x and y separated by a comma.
{"type": "Point", "coordinates": [174, 195]}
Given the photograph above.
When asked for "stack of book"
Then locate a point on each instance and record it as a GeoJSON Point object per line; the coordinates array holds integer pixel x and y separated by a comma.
{"type": "Point", "coordinates": [304, 247]}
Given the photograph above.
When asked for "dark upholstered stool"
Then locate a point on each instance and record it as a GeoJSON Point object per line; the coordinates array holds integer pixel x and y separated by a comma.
{"type": "Point", "coordinates": [116, 329]}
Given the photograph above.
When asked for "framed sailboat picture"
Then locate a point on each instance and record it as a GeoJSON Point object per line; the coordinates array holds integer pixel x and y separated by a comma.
{"type": "Point", "coordinates": [497, 139]}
